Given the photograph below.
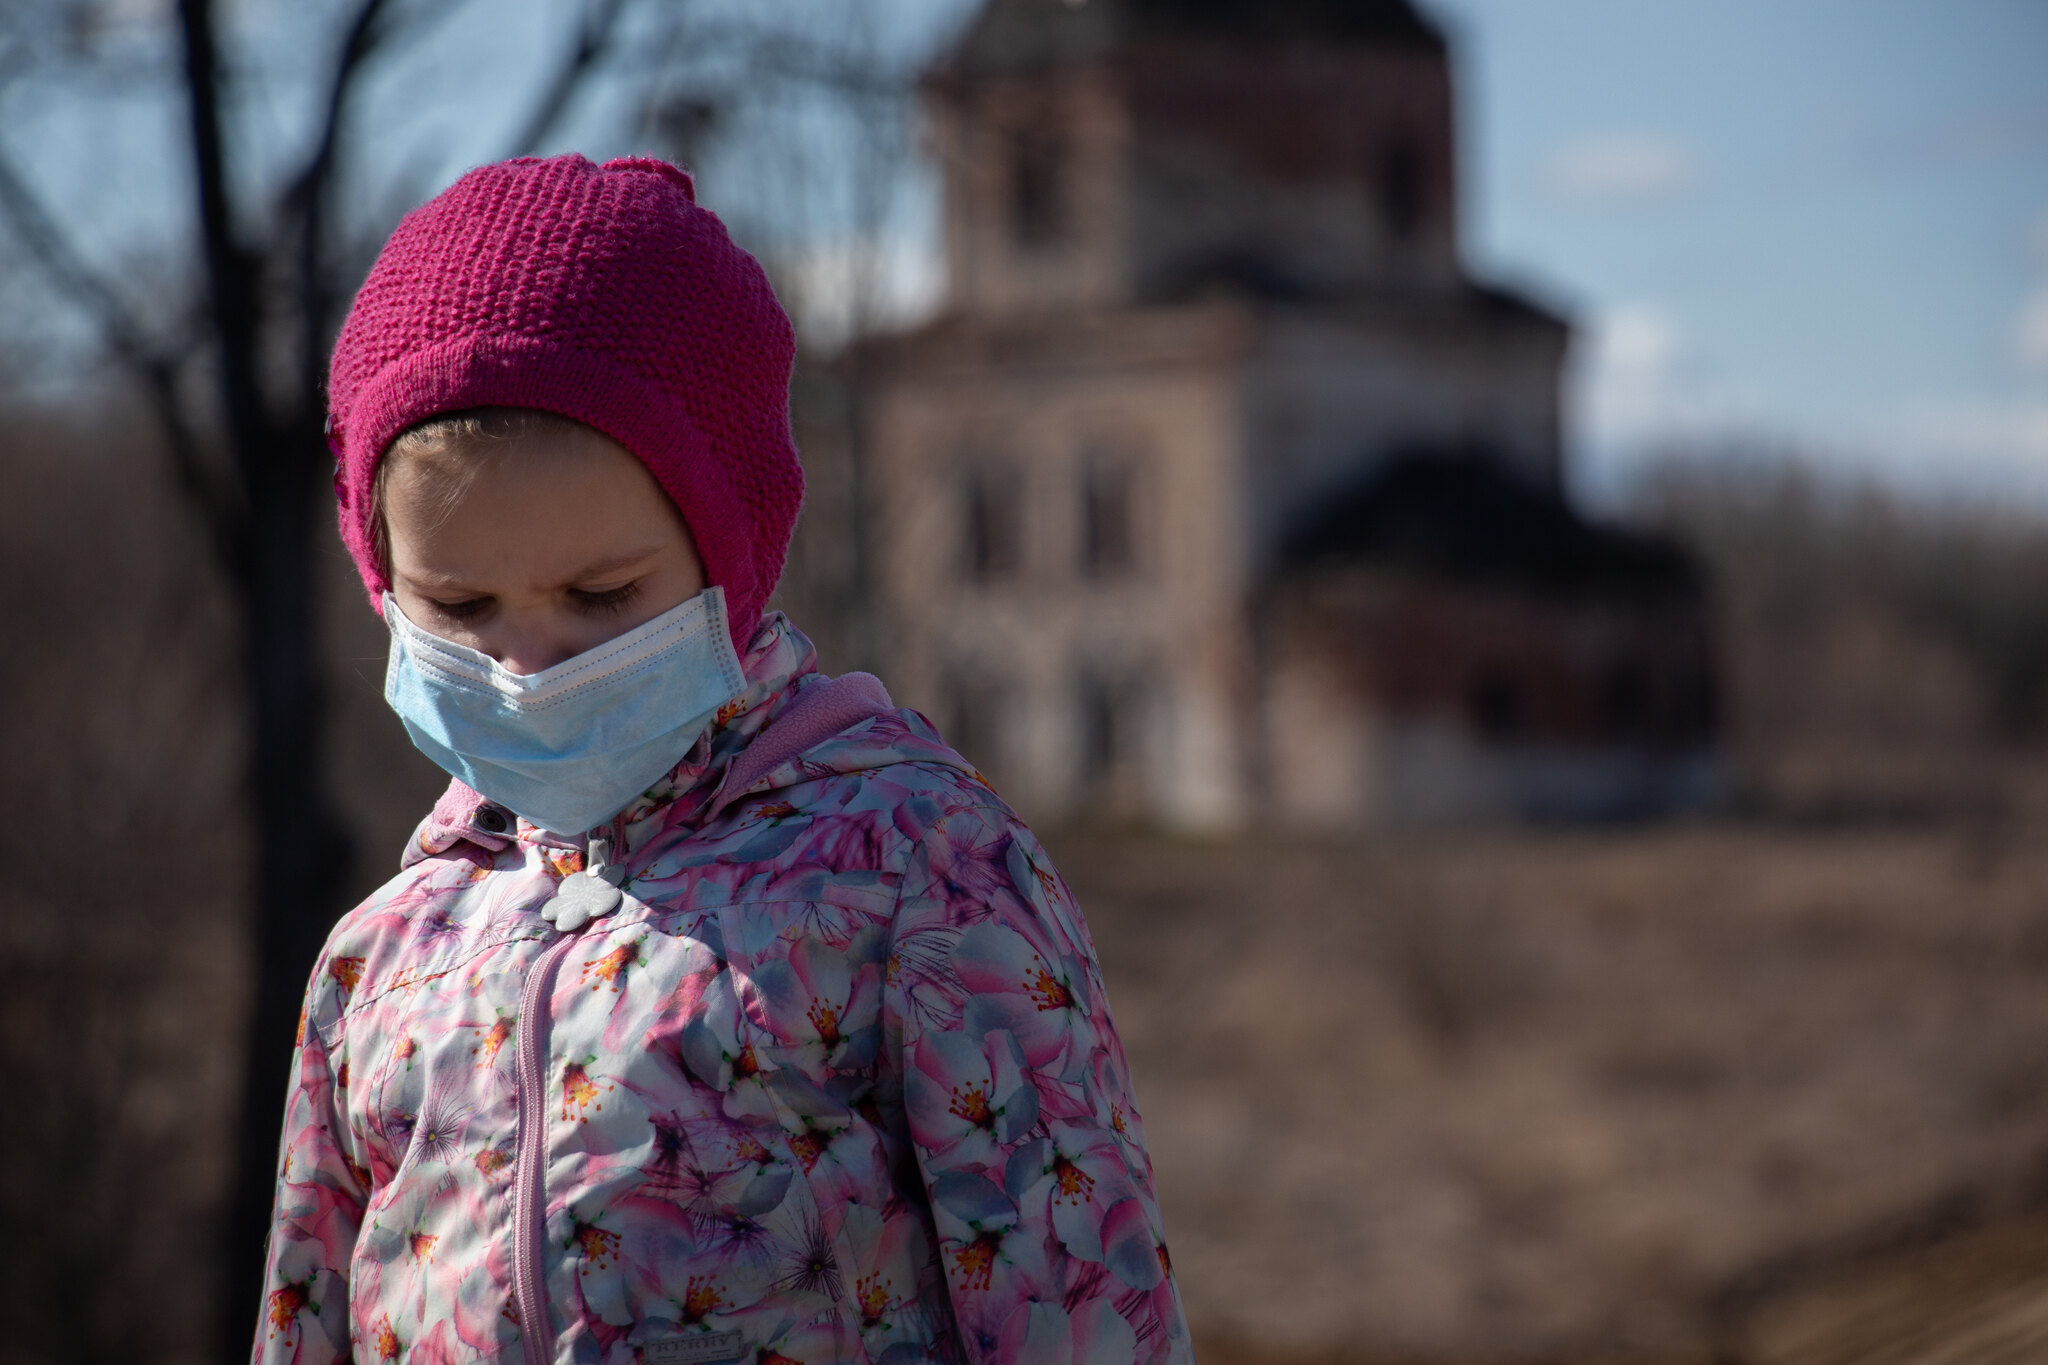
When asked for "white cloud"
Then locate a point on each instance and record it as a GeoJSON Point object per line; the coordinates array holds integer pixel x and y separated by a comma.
{"type": "Point", "coordinates": [2011, 432]}
{"type": "Point", "coordinates": [839, 288]}
{"type": "Point", "coordinates": [2030, 333]}
{"type": "Point", "coordinates": [1619, 168]}
{"type": "Point", "coordinates": [1633, 354]}
{"type": "Point", "coordinates": [1639, 387]}
{"type": "Point", "coordinates": [1635, 385]}
{"type": "Point", "coordinates": [1639, 339]}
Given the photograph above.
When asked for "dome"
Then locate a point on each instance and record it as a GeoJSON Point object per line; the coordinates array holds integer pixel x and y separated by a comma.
{"type": "Point", "coordinates": [1022, 35]}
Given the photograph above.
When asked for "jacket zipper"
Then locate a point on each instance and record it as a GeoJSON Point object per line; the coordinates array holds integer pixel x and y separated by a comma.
{"type": "Point", "coordinates": [529, 1170]}
{"type": "Point", "coordinates": [529, 1199]}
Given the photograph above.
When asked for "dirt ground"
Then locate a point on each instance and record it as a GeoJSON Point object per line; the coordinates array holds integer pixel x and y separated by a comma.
{"type": "Point", "coordinates": [1662, 1096]}
{"type": "Point", "coordinates": [1715, 1092]}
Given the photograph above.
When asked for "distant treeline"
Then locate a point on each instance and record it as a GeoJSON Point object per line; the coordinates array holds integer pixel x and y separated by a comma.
{"type": "Point", "coordinates": [1881, 656]}
{"type": "Point", "coordinates": [1881, 659]}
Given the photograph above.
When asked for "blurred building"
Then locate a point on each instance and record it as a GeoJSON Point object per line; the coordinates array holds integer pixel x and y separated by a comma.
{"type": "Point", "coordinates": [1219, 485]}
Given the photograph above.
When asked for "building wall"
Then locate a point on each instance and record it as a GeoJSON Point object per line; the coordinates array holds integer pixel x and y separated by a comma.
{"type": "Point", "coordinates": [1018, 660]}
{"type": "Point", "coordinates": [1323, 168]}
{"type": "Point", "coordinates": [1322, 756]}
{"type": "Point", "coordinates": [1330, 395]}
{"type": "Point", "coordinates": [1392, 699]}
{"type": "Point", "coordinates": [1230, 418]}
{"type": "Point", "coordinates": [1075, 122]}
{"type": "Point", "coordinates": [1316, 170]}
{"type": "Point", "coordinates": [1234, 276]}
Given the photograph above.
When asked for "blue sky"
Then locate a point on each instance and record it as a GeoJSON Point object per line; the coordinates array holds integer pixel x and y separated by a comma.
{"type": "Point", "coordinates": [1820, 224]}
{"type": "Point", "coordinates": [1815, 222]}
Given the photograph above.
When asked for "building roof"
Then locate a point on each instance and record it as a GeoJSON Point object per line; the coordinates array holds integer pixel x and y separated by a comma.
{"type": "Point", "coordinates": [1020, 35]}
{"type": "Point", "coordinates": [1377, 20]}
{"type": "Point", "coordinates": [1464, 517]}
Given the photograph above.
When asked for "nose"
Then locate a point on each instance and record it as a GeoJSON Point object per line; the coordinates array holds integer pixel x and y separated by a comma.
{"type": "Point", "coordinates": [528, 666]}
{"type": "Point", "coordinates": [527, 651]}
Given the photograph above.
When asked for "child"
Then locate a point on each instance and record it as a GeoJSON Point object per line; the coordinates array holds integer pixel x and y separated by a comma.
{"type": "Point", "coordinates": [720, 1012]}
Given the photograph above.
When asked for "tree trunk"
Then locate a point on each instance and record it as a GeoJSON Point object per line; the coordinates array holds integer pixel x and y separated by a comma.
{"type": "Point", "coordinates": [301, 853]}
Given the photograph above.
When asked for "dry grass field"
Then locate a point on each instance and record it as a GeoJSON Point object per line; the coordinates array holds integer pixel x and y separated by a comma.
{"type": "Point", "coordinates": [1708, 1093]}
{"type": "Point", "coordinates": [1740, 1092]}
{"type": "Point", "coordinates": [1715, 1093]}
{"type": "Point", "coordinates": [1748, 1093]}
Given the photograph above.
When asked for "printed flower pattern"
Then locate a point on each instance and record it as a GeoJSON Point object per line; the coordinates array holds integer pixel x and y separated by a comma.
{"type": "Point", "coordinates": [838, 1075]}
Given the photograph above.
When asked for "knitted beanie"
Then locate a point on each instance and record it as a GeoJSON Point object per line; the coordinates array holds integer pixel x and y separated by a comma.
{"type": "Point", "coordinates": [603, 294]}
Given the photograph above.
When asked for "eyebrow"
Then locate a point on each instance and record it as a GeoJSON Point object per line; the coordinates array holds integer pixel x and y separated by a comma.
{"type": "Point", "coordinates": [428, 581]}
{"type": "Point", "coordinates": [603, 567]}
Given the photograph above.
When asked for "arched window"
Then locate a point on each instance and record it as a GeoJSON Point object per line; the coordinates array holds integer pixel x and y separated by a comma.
{"type": "Point", "coordinates": [1110, 717]}
{"type": "Point", "coordinates": [1497, 707]}
{"type": "Point", "coordinates": [1108, 510]}
{"type": "Point", "coordinates": [992, 519]}
{"type": "Point", "coordinates": [1626, 702]}
{"type": "Point", "coordinates": [1400, 185]}
{"type": "Point", "coordinates": [1038, 188]}
{"type": "Point", "coordinates": [976, 719]}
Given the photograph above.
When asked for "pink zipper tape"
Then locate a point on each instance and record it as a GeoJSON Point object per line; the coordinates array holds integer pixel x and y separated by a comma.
{"type": "Point", "coordinates": [529, 1197]}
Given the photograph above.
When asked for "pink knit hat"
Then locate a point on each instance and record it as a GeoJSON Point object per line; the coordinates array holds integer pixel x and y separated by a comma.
{"type": "Point", "coordinates": [604, 294]}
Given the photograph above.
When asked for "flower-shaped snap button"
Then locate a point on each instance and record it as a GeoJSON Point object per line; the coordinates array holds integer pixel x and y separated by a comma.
{"type": "Point", "coordinates": [580, 899]}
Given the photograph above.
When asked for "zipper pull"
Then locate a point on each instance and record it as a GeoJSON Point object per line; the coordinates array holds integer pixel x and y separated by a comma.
{"type": "Point", "coordinates": [587, 895]}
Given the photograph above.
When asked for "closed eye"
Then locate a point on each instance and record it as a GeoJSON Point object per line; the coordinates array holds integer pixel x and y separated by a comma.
{"type": "Point", "coordinates": [608, 602]}
{"type": "Point", "coordinates": [467, 610]}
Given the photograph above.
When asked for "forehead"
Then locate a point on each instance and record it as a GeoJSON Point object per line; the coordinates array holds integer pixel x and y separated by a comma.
{"type": "Point", "coordinates": [541, 504]}
{"type": "Point", "coordinates": [438, 471]}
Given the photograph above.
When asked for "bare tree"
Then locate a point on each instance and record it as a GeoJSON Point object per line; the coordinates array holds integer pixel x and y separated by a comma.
{"type": "Point", "coordinates": [1885, 657]}
{"type": "Point", "coordinates": [251, 461]}
{"type": "Point", "coordinates": [234, 377]}
{"type": "Point", "coordinates": [805, 136]}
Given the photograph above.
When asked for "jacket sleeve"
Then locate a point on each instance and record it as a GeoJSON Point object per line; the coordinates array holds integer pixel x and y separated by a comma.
{"type": "Point", "coordinates": [321, 1193]}
{"type": "Point", "coordinates": [1020, 1108]}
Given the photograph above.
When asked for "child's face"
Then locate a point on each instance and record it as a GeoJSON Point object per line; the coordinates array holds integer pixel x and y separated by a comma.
{"type": "Point", "coordinates": [536, 548]}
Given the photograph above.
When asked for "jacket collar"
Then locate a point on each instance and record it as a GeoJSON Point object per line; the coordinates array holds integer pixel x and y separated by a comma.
{"type": "Point", "coordinates": [778, 663]}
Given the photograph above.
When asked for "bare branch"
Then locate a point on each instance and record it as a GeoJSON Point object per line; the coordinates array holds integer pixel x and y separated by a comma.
{"type": "Point", "coordinates": [231, 270]}
{"type": "Point", "coordinates": [154, 366]}
{"type": "Point", "coordinates": [361, 39]}
{"type": "Point", "coordinates": [306, 201]}
{"type": "Point", "coordinates": [600, 19]}
{"type": "Point", "coordinates": [802, 62]}
{"type": "Point", "coordinates": [800, 59]}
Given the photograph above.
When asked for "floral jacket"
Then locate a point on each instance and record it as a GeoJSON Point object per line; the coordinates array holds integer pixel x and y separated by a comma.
{"type": "Point", "coordinates": [837, 1082]}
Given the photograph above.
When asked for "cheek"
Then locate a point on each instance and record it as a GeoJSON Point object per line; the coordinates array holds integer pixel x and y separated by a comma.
{"type": "Point", "coordinates": [679, 582]}
{"type": "Point", "coordinates": [526, 639]}
{"type": "Point", "coordinates": [422, 612]}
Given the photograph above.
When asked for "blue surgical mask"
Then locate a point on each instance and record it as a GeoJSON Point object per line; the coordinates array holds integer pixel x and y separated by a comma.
{"type": "Point", "coordinates": [567, 747]}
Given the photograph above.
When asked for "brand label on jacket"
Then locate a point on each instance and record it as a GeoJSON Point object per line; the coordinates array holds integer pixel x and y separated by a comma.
{"type": "Point", "coordinates": [702, 1349]}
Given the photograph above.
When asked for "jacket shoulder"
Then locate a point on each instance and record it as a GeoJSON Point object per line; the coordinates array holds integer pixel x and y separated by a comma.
{"type": "Point", "coordinates": [417, 917]}
{"type": "Point", "coordinates": [829, 831]}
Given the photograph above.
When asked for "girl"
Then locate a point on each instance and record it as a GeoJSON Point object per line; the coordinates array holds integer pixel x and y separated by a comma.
{"type": "Point", "coordinates": [719, 1012]}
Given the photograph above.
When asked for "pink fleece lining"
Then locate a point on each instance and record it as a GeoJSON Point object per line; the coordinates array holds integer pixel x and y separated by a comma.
{"type": "Point", "coordinates": [457, 813]}
{"type": "Point", "coordinates": [457, 808]}
{"type": "Point", "coordinates": [819, 712]}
